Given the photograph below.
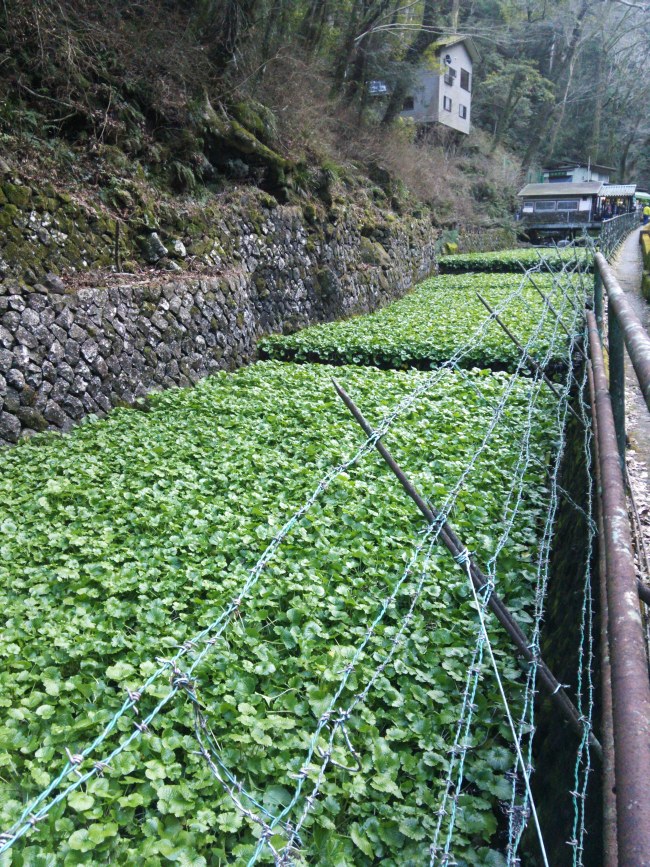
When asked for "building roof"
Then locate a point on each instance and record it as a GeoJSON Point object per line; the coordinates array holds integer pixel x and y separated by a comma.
{"type": "Point", "coordinates": [455, 39]}
{"type": "Point", "coordinates": [558, 191]}
{"type": "Point", "coordinates": [618, 190]}
{"type": "Point", "coordinates": [577, 164]}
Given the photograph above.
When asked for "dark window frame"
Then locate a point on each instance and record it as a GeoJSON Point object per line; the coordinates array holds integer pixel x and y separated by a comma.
{"type": "Point", "coordinates": [447, 103]}
{"type": "Point", "coordinates": [450, 75]}
{"type": "Point", "coordinates": [466, 80]}
{"type": "Point", "coordinates": [574, 205]}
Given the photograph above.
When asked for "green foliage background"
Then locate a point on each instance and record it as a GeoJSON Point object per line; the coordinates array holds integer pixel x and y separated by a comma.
{"type": "Point", "coordinates": [514, 261]}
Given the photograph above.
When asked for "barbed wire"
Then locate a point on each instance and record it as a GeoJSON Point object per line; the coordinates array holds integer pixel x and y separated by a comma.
{"type": "Point", "coordinates": [34, 812]}
{"type": "Point", "coordinates": [582, 767]}
{"type": "Point", "coordinates": [471, 684]}
{"type": "Point", "coordinates": [518, 812]}
{"type": "Point", "coordinates": [569, 368]}
{"type": "Point", "coordinates": [467, 699]}
{"type": "Point", "coordinates": [206, 639]}
{"type": "Point", "coordinates": [344, 714]}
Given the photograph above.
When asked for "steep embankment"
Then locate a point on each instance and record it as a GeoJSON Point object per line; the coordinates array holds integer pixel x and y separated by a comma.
{"type": "Point", "coordinates": [208, 280]}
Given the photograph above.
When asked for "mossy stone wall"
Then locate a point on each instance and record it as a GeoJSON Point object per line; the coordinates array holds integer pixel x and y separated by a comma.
{"type": "Point", "coordinates": [67, 351]}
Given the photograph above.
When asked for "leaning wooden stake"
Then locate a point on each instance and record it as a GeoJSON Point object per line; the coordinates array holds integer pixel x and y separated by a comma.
{"type": "Point", "coordinates": [532, 364]}
{"type": "Point", "coordinates": [456, 547]}
{"type": "Point", "coordinates": [555, 275]}
{"type": "Point", "coordinates": [547, 301]}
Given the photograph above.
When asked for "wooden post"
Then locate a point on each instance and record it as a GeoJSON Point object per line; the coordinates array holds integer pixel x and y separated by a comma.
{"type": "Point", "coordinates": [455, 546]}
{"type": "Point", "coordinates": [598, 299]}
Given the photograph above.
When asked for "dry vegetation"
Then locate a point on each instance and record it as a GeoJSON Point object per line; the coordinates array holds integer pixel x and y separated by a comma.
{"type": "Point", "coordinates": [456, 175]}
{"type": "Point", "coordinates": [102, 92]}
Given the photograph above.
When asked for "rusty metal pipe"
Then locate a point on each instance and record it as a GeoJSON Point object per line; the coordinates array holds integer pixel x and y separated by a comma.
{"type": "Point", "coordinates": [629, 670]}
{"type": "Point", "coordinates": [610, 846]}
{"type": "Point", "coordinates": [637, 341]}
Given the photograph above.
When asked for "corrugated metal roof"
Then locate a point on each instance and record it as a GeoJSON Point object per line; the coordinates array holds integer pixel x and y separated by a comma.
{"type": "Point", "coordinates": [577, 164]}
{"type": "Point", "coordinates": [618, 190]}
{"type": "Point", "coordinates": [557, 191]}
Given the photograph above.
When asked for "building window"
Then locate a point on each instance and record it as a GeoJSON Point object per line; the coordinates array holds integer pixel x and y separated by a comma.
{"type": "Point", "coordinates": [465, 80]}
{"type": "Point", "coordinates": [446, 103]}
{"type": "Point", "coordinates": [567, 206]}
{"type": "Point", "coordinates": [544, 206]}
{"type": "Point", "coordinates": [462, 111]}
{"type": "Point", "coordinates": [450, 75]}
{"type": "Point", "coordinates": [378, 88]}
{"type": "Point", "coordinates": [409, 104]}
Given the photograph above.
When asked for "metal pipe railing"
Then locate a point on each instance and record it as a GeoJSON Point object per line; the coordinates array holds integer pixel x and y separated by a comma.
{"type": "Point", "coordinates": [608, 779]}
{"type": "Point", "coordinates": [629, 670]}
{"type": "Point", "coordinates": [613, 231]}
{"type": "Point", "coordinates": [637, 341]}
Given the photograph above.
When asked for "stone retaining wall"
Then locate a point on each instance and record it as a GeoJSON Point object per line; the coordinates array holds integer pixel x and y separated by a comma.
{"type": "Point", "coordinates": [65, 353]}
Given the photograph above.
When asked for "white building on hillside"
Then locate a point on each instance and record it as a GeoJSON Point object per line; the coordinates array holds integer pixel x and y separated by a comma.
{"type": "Point", "coordinates": [444, 94]}
{"type": "Point", "coordinates": [576, 173]}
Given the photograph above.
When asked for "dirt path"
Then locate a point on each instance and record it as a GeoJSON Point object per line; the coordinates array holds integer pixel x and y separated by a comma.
{"type": "Point", "coordinates": [628, 267]}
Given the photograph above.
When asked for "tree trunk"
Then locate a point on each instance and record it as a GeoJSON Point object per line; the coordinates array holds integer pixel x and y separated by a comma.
{"type": "Point", "coordinates": [505, 116]}
{"type": "Point", "coordinates": [312, 26]}
{"type": "Point", "coordinates": [622, 165]}
{"type": "Point", "coordinates": [565, 62]}
{"type": "Point", "coordinates": [356, 42]}
{"type": "Point", "coordinates": [599, 90]}
{"type": "Point", "coordinates": [347, 49]}
{"type": "Point", "coordinates": [559, 120]}
{"type": "Point", "coordinates": [424, 38]}
{"type": "Point", "coordinates": [455, 15]}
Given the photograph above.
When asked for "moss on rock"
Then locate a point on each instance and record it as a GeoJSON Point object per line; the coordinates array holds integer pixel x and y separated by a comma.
{"type": "Point", "coordinates": [257, 118]}
{"type": "Point", "coordinates": [372, 253]}
{"type": "Point", "coordinates": [18, 195]}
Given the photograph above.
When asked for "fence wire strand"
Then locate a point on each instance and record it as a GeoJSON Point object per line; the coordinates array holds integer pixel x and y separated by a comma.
{"type": "Point", "coordinates": [334, 722]}
{"type": "Point", "coordinates": [461, 742]}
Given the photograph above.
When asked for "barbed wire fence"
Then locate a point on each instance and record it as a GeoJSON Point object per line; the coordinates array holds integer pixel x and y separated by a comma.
{"type": "Point", "coordinates": [81, 767]}
{"type": "Point", "coordinates": [461, 743]}
{"type": "Point", "coordinates": [518, 811]}
{"type": "Point", "coordinates": [519, 808]}
{"type": "Point", "coordinates": [585, 668]}
{"type": "Point", "coordinates": [433, 531]}
{"type": "Point", "coordinates": [209, 636]}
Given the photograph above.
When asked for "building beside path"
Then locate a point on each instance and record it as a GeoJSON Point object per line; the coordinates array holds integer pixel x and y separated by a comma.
{"type": "Point", "coordinates": [575, 172]}
{"type": "Point", "coordinates": [560, 207]}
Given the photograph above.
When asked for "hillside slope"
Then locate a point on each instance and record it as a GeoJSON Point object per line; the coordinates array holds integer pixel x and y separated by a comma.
{"type": "Point", "coordinates": [123, 108]}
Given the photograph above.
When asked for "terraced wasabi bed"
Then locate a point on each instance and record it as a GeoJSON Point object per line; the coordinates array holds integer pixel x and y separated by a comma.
{"type": "Point", "coordinates": [434, 322]}
{"type": "Point", "coordinates": [124, 539]}
{"type": "Point", "coordinates": [516, 260]}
